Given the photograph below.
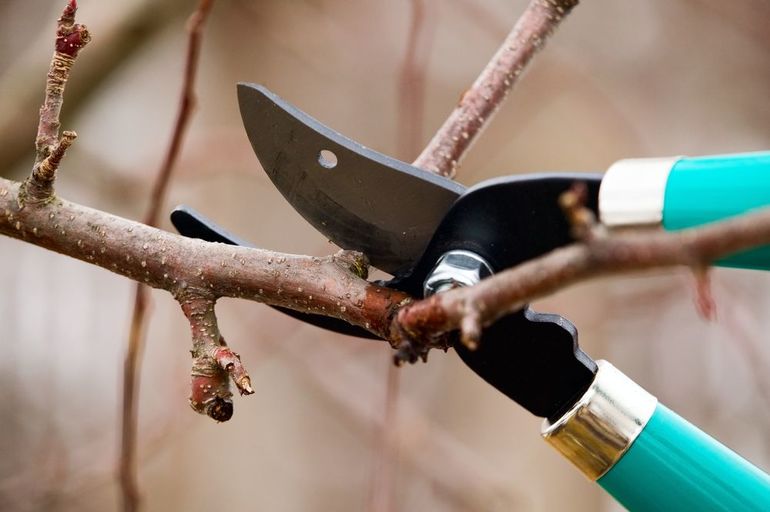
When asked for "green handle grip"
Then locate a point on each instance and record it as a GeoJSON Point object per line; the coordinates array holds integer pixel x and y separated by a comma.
{"type": "Point", "coordinates": [674, 466]}
{"type": "Point", "coordinates": [707, 189]}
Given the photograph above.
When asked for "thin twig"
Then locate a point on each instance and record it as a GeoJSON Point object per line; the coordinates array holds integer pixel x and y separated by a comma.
{"type": "Point", "coordinates": [411, 81]}
{"type": "Point", "coordinates": [213, 361]}
{"type": "Point", "coordinates": [70, 39]}
{"type": "Point", "coordinates": [382, 484]}
{"type": "Point", "coordinates": [510, 290]}
{"type": "Point", "coordinates": [411, 103]}
{"type": "Point", "coordinates": [427, 447]}
{"type": "Point", "coordinates": [132, 361]}
{"type": "Point", "coordinates": [479, 103]}
{"type": "Point", "coordinates": [195, 25]}
{"type": "Point", "coordinates": [49, 148]}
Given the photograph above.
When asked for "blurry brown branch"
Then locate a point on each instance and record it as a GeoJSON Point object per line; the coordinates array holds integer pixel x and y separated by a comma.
{"type": "Point", "coordinates": [480, 102]}
{"type": "Point", "coordinates": [132, 361]}
{"type": "Point", "coordinates": [195, 25]}
{"type": "Point", "coordinates": [411, 81]}
{"type": "Point", "coordinates": [382, 483]}
{"type": "Point", "coordinates": [411, 110]}
{"type": "Point", "coordinates": [426, 446]}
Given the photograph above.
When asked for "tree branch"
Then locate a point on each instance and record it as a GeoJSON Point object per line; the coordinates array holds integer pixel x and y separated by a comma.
{"type": "Point", "coordinates": [49, 149]}
{"type": "Point", "coordinates": [469, 309]}
{"type": "Point", "coordinates": [213, 361]}
{"type": "Point", "coordinates": [479, 103]}
{"type": "Point", "coordinates": [333, 286]}
{"type": "Point", "coordinates": [411, 78]}
{"type": "Point", "coordinates": [132, 361]}
{"type": "Point", "coordinates": [70, 39]}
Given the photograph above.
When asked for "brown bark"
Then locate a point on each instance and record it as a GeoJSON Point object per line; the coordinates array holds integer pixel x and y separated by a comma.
{"type": "Point", "coordinates": [479, 103]}
{"type": "Point", "coordinates": [469, 309]}
{"type": "Point", "coordinates": [332, 286]}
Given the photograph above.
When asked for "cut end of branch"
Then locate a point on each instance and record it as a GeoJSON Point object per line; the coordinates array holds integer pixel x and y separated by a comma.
{"type": "Point", "coordinates": [39, 187]}
{"type": "Point", "coordinates": [47, 169]}
{"type": "Point", "coordinates": [231, 363]}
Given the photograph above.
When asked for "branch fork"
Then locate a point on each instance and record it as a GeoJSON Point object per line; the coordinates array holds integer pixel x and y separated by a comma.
{"type": "Point", "coordinates": [214, 363]}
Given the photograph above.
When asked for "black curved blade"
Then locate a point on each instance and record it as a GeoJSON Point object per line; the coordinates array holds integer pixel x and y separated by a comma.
{"type": "Point", "coordinates": [360, 199]}
{"type": "Point", "coordinates": [192, 224]}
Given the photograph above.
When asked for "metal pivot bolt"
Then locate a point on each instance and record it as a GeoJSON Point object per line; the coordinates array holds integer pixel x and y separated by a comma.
{"type": "Point", "coordinates": [456, 268]}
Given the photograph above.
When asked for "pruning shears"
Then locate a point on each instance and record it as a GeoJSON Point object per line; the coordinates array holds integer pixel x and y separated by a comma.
{"type": "Point", "coordinates": [431, 233]}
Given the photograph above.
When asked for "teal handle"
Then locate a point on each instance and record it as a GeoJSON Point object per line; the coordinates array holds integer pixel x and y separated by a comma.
{"type": "Point", "coordinates": [674, 466]}
{"type": "Point", "coordinates": [708, 189]}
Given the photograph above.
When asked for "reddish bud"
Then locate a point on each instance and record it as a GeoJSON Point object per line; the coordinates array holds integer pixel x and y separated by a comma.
{"type": "Point", "coordinates": [71, 43]}
{"type": "Point", "coordinates": [70, 37]}
{"type": "Point", "coordinates": [68, 15]}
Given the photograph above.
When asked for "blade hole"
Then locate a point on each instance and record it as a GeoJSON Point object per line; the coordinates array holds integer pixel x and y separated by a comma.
{"type": "Point", "coordinates": [327, 159]}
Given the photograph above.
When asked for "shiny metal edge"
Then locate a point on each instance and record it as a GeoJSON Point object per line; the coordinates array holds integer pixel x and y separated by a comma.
{"type": "Point", "coordinates": [633, 190]}
{"type": "Point", "coordinates": [596, 432]}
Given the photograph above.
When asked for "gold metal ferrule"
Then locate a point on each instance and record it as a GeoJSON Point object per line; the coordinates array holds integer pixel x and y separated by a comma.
{"type": "Point", "coordinates": [596, 432]}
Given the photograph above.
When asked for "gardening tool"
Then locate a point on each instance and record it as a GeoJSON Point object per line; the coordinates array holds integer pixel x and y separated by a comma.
{"type": "Point", "coordinates": [432, 234]}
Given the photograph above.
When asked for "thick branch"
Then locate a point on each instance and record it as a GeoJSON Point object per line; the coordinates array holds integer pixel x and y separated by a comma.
{"type": "Point", "coordinates": [470, 308]}
{"type": "Point", "coordinates": [332, 286]}
{"type": "Point", "coordinates": [479, 103]}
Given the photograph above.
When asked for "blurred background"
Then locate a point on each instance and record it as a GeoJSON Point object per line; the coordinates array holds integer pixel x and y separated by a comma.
{"type": "Point", "coordinates": [619, 79]}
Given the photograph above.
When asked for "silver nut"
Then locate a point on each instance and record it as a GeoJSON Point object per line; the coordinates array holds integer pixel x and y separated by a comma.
{"type": "Point", "coordinates": [454, 269]}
